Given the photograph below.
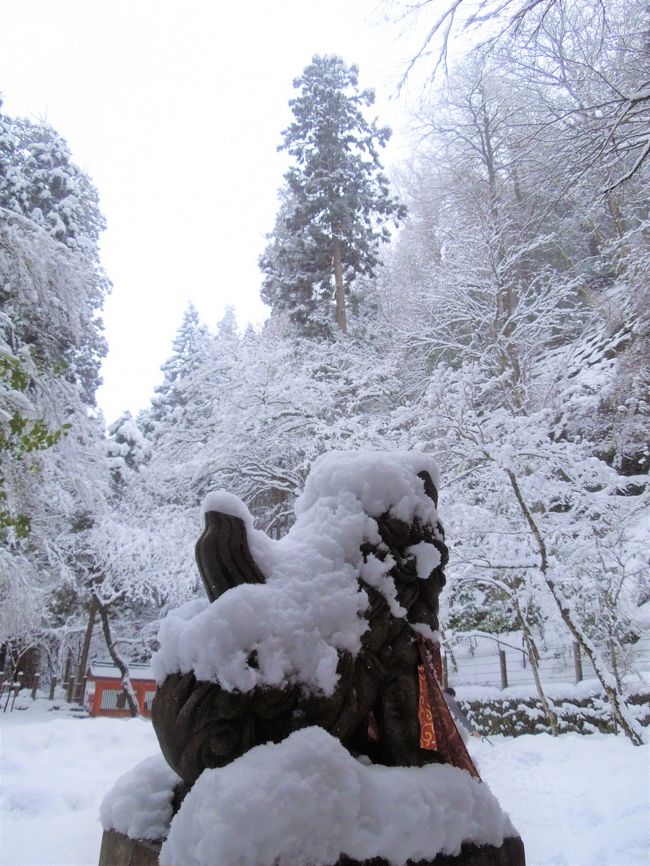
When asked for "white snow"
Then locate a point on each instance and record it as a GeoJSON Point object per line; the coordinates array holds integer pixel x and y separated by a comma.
{"type": "Point", "coordinates": [307, 801]}
{"type": "Point", "coordinates": [592, 792]}
{"type": "Point", "coordinates": [311, 606]}
{"type": "Point", "coordinates": [380, 480]}
{"type": "Point", "coordinates": [374, 572]}
{"type": "Point", "coordinates": [229, 503]}
{"type": "Point", "coordinates": [54, 773]}
{"type": "Point", "coordinates": [577, 801]}
{"type": "Point", "coordinates": [140, 803]}
{"type": "Point", "coordinates": [427, 557]}
{"type": "Point", "coordinates": [136, 671]}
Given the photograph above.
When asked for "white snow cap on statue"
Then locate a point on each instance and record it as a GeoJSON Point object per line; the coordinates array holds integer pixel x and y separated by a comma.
{"type": "Point", "coordinates": [381, 481]}
{"type": "Point", "coordinates": [140, 803]}
{"type": "Point", "coordinates": [311, 606]}
{"type": "Point", "coordinates": [307, 800]}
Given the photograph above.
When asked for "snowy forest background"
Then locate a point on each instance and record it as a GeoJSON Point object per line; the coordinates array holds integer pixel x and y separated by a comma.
{"type": "Point", "coordinates": [505, 331]}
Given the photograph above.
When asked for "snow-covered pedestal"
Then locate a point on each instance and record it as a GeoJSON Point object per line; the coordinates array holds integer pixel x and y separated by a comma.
{"type": "Point", "coordinates": [292, 705]}
{"type": "Point", "coordinates": [305, 801]}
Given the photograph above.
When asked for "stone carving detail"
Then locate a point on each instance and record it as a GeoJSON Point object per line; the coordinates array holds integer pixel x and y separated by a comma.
{"type": "Point", "coordinates": [376, 707]}
{"type": "Point", "coordinates": [374, 710]}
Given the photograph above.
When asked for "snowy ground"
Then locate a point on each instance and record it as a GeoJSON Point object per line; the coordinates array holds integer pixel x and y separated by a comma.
{"type": "Point", "coordinates": [577, 801]}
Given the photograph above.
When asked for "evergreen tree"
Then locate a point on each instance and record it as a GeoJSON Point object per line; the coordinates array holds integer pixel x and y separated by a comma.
{"type": "Point", "coordinates": [52, 285]}
{"type": "Point", "coordinates": [337, 203]}
{"type": "Point", "coordinates": [39, 181]}
{"type": "Point", "coordinates": [188, 347]}
{"type": "Point", "coordinates": [127, 448]}
{"type": "Point", "coordinates": [294, 263]}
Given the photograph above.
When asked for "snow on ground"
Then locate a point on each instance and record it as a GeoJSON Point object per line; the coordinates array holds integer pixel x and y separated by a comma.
{"type": "Point", "coordinates": [577, 801]}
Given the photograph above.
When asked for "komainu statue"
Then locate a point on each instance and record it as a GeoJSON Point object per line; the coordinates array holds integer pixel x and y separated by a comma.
{"type": "Point", "coordinates": [324, 641]}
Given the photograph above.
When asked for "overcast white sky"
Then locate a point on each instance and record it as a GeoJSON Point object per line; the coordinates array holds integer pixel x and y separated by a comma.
{"type": "Point", "coordinates": [175, 108]}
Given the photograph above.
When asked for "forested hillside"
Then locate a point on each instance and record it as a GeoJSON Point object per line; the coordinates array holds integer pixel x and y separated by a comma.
{"type": "Point", "coordinates": [502, 326]}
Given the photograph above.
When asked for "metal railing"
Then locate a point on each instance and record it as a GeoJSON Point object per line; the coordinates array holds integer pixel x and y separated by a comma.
{"type": "Point", "coordinates": [482, 660]}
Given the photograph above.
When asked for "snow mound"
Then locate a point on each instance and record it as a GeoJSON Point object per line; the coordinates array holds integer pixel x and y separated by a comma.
{"type": "Point", "coordinates": [140, 803]}
{"type": "Point", "coordinates": [311, 606]}
{"type": "Point", "coordinates": [309, 801]}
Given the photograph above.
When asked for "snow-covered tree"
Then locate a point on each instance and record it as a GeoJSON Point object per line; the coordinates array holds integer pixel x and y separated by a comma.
{"type": "Point", "coordinates": [22, 430]}
{"type": "Point", "coordinates": [187, 348]}
{"type": "Point", "coordinates": [39, 181]}
{"type": "Point", "coordinates": [595, 52]}
{"type": "Point", "coordinates": [53, 469]}
{"type": "Point", "coordinates": [545, 523]}
{"type": "Point", "coordinates": [515, 291]}
{"type": "Point", "coordinates": [337, 205]}
{"type": "Point", "coordinates": [55, 244]}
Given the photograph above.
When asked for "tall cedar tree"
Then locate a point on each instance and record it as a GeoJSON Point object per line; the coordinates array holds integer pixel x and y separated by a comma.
{"type": "Point", "coordinates": [336, 205]}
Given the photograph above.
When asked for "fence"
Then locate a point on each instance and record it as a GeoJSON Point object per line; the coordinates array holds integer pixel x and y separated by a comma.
{"type": "Point", "coordinates": [71, 692]}
{"type": "Point", "coordinates": [482, 660]}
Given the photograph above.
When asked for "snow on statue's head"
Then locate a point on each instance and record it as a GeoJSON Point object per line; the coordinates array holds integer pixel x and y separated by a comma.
{"type": "Point", "coordinates": [319, 627]}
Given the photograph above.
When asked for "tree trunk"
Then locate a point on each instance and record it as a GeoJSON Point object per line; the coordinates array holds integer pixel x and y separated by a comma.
{"type": "Point", "coordinates": [119, 662]}
{"type": "Point", "coordinates": [619, 707]}
{"type": "Point", "coordinates": [616, 213]}
{"type": "Point", "coordinates": [83, 661]}
{"type": "Point", "coordinates": [341, 318]}
{"type": "Point", "coordinates": [532, 657]}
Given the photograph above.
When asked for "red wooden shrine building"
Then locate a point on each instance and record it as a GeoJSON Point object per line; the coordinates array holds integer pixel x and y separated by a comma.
{"type": "Point", "coordinates": [104, 695]}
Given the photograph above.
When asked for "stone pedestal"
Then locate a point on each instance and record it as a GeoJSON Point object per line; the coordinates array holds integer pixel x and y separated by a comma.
{"type": "Point", "coordinates": [511, 853]}
{"type": "Point", "coordinates": [119, 850]}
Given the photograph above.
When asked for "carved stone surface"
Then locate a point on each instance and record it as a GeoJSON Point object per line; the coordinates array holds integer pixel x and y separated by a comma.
{"type": "Point", "coordinates": [511, 853]}
{"type": "Point", "coordinates": [222, 555]}
{"type": "Point", "coordinates": [119, 850]}
{"type": "Point", "coordinates": [201, 725]}
{"type": "Point", "coordinates": [374, 708]}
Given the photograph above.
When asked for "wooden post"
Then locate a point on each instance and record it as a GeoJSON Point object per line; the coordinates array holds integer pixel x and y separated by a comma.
{"type": "Point", "coordinates": [445, 672]}
{"type": "Point", "coordinates": [80, 691]}
{"type": "Point", "coordinates": [577, 661]}
{"type": "Point", "coordinates": [83, 660]}
{"type": "Point", "coordinates": [17, 688]}
{"type": "Point", "coordinates": [612, 650]}
{"type": "Point", "coordinates": [70, 690]}
{"type": "Point", "coordinates": [52, 687]}
{"type": "Point", "coordinates": [504, 669]}
{"type": "Point", "coordinates": [35, 682]}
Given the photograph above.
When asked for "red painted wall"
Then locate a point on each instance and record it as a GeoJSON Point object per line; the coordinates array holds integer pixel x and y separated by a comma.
{"type": "Point", "coordinates": [108, 691]}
